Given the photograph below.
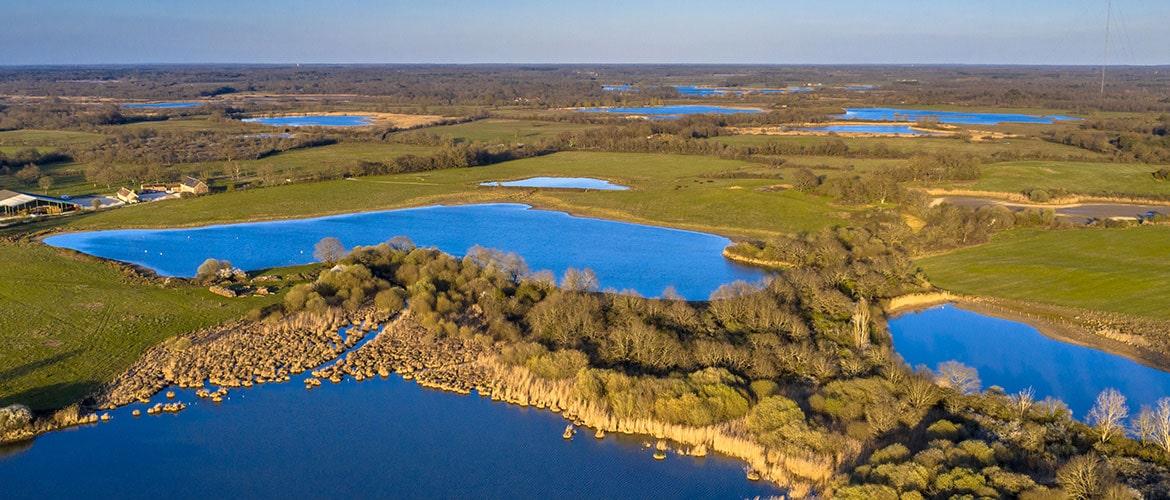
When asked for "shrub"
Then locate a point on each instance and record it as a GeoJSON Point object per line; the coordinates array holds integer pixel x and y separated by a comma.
{"type": "Point", "coordinates": [14, 417]}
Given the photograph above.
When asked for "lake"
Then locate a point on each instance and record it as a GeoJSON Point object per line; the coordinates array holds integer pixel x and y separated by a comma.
{"type": "Point", "coordinates": [955, 117]}
{"type": "Point", "coordinates": [624, 256]}
{"type": "Point", "coordinates": [624, 87]}
{"type": "Point", "coordinates": [560, 182]}
{"type": "Point", "coordinates": [1016, 356]}
{"type": "Point", "coordinates": [869, 129]}
{"type": "Point", "coordinates": [378, 438]}
{"type": "Point", "coordinates": [673, 111]}
{"type": "Point", "coordinates": [161, 105]}
{"type": "Point", "coordinates": [313, 121]}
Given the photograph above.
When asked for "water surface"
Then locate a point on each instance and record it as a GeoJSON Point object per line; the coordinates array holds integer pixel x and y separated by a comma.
{"type": "Point", "coordinates": [1016, 356]}
{"type": "Point", "coordinates": [313, 121]}
{"type": "Point", "coordinates": [379, 438]}
{"type": "Point", "coordinates": [624, 256]}
{"type": "Point", "coordinates": [161, 105]}
{"type": "Point", "coordinates": [560, 182]}
{"type": "Point", "coordinates": [956, 117]}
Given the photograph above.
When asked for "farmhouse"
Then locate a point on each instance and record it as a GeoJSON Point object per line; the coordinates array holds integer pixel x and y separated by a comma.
{"type": "Point", "coordinates": [13, 203]}
{"type": "Point", "coordinates": [193, 186]}
{"type": "Point", "coordinates": [127, 195]}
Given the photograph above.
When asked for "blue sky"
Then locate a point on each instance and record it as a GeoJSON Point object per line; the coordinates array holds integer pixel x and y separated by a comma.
{"type": "Point", "coordinates": [630, 31]}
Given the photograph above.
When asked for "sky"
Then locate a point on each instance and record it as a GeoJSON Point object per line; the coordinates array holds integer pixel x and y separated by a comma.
{"type": "Point", "coordinates": [579, 31]}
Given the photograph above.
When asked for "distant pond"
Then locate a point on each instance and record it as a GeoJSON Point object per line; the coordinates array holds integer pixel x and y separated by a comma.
{"type": "Point", "coordinates": [162, 105]}
{"type": "Point", "coordinates": [378, 438]}
{"type": "Point", "coordinates": [313, 121]}
{"type": "Point", "coordinates": [560, 182]}
{"type": "Point", "coordinates": [637, 257]}
{"type": "Point", "coordinates": [954, 117]}
{"type": "Point", "coordinates": [1016, 356]}
{"type": "Point", "coordinates": [673, 111]}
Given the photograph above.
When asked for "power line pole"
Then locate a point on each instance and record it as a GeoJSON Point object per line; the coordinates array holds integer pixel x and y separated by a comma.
{"type": "Point", "coordinates": [1105, 56]}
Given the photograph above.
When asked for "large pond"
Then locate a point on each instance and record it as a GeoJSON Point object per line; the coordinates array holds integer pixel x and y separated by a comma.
{"type": "Point", "coordinates": [313, 121]}
{"type": "Point", "coordinates": [162, 105]}
{"type": "Point", "coordinates": [673, 111]}
{"type": "Point", "coordinates": [1016, 356]}
{"type": "Point", "coordinates": [643, 258]}
{"type": "Point", "coordinates": [560, 183]}
{"type": "Point", "coordinates": [378, 438]}
{"type": "Point", "coordinates": [955, 117]}
{"type": "Point", "coordinates": [869, 129]}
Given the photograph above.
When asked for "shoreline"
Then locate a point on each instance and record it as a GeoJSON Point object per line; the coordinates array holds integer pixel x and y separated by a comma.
{"type": "Point", "coordinates": [1033, 315]}
{"type": "Point", "coordinates": [398, 345]}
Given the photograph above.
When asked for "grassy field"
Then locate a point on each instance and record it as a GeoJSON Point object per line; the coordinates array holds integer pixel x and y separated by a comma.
{"type": "Point", "coordinates": [1118, 270]}
{"type": "Point", "coordinates": [46, 140]}
{"type": "Point", "coordinates": [70, 323]}
{"type": "Point", "coordinates": [496, 130]}
{"type": "Point", "coordinates": [1103, 179]}
{"type": "Point", "coordinates": [924, 145]}
{"type": "Point", "coordinates": [69, 178]}
{"type": "Point", "coordinates": [188, 124]}
{"type": "Point", "coordinates": [673, 190]}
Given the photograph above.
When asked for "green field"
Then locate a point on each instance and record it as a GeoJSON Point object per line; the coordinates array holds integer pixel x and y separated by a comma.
{"type": "Point", "coordinates": [1100, 179]}
{"type": "Point", "coordinates": [673, 190]}
{"type": "Point", "coordinates": [69, 323]}
{"type": "Point", "coordinates": [187, 124]}
{"type": "Point", "coordinates": [1118, 270]}
{"type": "Point", "coordinates": [496, 130]}
{"type": "Point", "coordinates": [914, 145]}
{"type": "Point", "coordinates": [297, 164]}
{"type": "Point", "coordinates": [47, 140]}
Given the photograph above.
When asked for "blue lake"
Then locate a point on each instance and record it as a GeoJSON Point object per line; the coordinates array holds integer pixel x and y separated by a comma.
{"type": "Point", "coordinates": [869, 129]}
{"type": "Point", "coordinates": [313, 121]}
{"type": "Point", "coordinates": [560, 182]}
{"type": "Point", "coordinates": [957, 117]}
{"type": "Point", "coordinates": [624, 87]}
{"type": "Point", "coordinates": [672, 111]}
{"type": "Point", "coordinates": [1016, 356]}
{"type": "Point", "coordinates": [624, 256]}
{"type": "Point", "coordinates": [382, 438]}
{"type": "Point", "coordinates": [161, 105]}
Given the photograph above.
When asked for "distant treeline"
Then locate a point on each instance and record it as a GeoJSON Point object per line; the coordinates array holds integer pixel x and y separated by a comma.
{"type": "Point", "coordinates": [1128, 88]}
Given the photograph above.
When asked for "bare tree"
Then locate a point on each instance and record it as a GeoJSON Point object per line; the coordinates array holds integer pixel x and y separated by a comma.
{"type": "Point", "coordinates": [580, 281]}
{"type": "Point", "coordinates": [958, 376]}
{"type": "Point", "coordinates": [46, 183]}
{"type": "Point", "coordinates": [1108, 413]}
{"type": "Point", "coordinates": [1083, 477]}
{"type": "Point", "coordinates": [860, 323]}
{"type": "Point", "coordinates": [328, 250]}
{"type": "Point", "coordinates": [1023, 401]}
{"type": "Point", "coordinates": [1153, 425]}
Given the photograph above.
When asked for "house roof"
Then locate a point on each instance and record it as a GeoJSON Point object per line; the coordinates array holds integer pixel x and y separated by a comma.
{"type": "Point", "coordinates": [10, 198]}
{"type": "Point", "coordinates": [191, 181]}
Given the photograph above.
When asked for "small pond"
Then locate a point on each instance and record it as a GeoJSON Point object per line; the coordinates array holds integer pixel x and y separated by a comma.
{"type": "Point", "coordinates": [560, 182]}
{"type": "Point", "coordinates": [869, 129]}
{"type": "Point", "coordinates": [1016, 356]}
{"type": "Point", "coordinates": [624, 256]}
{"type": "Point", "coordinates": [673, 111]}
{"type": "Point", "coordinates": [378, 438]}
{"type": "Point", "coordinates": [313, 121]}
{"type": "Point", "coordinates": [162, 105]}
{"type": "Point", "coordinates": [955, 117]}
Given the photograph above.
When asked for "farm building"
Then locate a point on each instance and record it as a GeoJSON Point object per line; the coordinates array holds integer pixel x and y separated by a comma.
{"type": "Point", "coordinates": [13, 203]}
{"type": "Point", "coordinates": [192, 185]}
{"type": "Point", "coordinates": [127, 195]}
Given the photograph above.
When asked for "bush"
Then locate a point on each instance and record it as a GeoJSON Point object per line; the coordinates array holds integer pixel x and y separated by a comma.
{"type": "Point", "coordinates": [14, 417]}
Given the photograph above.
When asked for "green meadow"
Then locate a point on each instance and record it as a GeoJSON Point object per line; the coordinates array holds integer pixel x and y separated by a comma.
{"type": "Point", "coordinates": [1118, 270]}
